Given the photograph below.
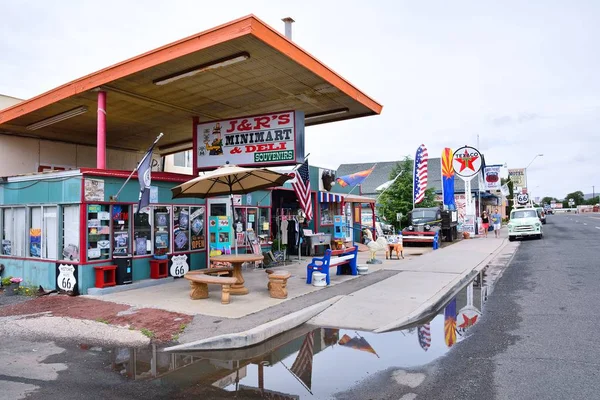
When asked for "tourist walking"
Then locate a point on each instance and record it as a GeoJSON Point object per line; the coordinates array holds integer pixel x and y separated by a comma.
{"type": "Point", "coordinates": [485, 222]}
{"type": "Point", "coordinates": [497, 221]}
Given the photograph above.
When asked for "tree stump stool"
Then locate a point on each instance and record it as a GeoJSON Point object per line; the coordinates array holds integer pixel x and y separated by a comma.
{"type": "Point", "coordinates": [278, 283]}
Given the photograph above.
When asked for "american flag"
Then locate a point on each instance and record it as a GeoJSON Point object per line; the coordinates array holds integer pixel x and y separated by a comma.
{"type": "Point", "coordinates": [301, 185]}
{"type": "Point", "coordinates": [424, 334]}
{"type": "Point", "coordinates": [420, 174]}
{"type": "Point", "coordinates": [302, 367]}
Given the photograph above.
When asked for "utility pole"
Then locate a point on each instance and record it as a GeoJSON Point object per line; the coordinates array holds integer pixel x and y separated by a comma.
{"type": "Point", "coordinates": [593, 192]}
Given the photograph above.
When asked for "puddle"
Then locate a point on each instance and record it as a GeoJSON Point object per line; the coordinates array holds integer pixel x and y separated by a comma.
{"type": "Point", "coordinates": [305, 362]}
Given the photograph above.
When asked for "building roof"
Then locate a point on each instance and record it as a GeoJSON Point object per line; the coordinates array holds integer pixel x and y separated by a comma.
{"type": "Point", "coordinates": [145, 95]}
{"type": "Point", "coordinates": [380, 174]}
{"type": "Point", "coordinates": [383, 170]}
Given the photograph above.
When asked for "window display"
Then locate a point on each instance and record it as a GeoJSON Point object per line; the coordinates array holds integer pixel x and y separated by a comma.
{"type": "Point", "coordinates": [198, 240]}
{"type": "Point", "coordinates": [98, 232]}
{"type": "Point", "coordinates": [240, 225]}
{"type": "Point", "coordinates": [181, 228]}
{"type": "Point", "coordinates": [142, 228]}
{"type": "Point", "coordinates": [13, 235]}
{"type": "Point", "coordinates": [162, 224]}
{"type": "Point", "coordinates": [70, 233]}
{"type": "Point", "coordinates": [328, 210]}
{"type": "Point", "coordinates": [263, 224]}
{"type": "Point", "coordinates": [7, 231]}
{"type": "Point", "coordinates": [120, 229]}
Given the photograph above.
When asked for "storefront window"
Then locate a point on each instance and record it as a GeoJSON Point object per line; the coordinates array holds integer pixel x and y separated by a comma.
{"type": "Point", "coordinates": [162, 227]}
{"type": "Point", "coordinates": [120, 229]}
{"type": "Point", "coordinates": [198, 238]}
{"type": "Point", "coordinates": [35, 232]}
{"type": "Point", "coordinates": [252, 219]}
{"type": "Point", "coordinates": [348, 221]}
{"type": "Point", "coordinates": [328, 210]}
{"type": "Point", "coordinates": [43, 232]}
{"type": "Point", "coordinates": [240, 224]}
{"type": "Point", "coordinates": [263, 224]}
{"type": "Point", "coordinates": [98, 232]}
{"type": "Point", "coordinates": [181, 228]}
{"type": "Point", "coordinates": [8, 231]}
{"type": "Point", "coordinates": [142, 244]}
{"type": "Point", "coordinates": [70, 233]}
{"type": "Point", "coordinates": [50, 233]}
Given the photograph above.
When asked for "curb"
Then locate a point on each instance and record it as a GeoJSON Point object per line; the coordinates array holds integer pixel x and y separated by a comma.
{"type": "Point", "coordinates": [431, 307]}
{"type": "Point", "coordinates": [257, 334]}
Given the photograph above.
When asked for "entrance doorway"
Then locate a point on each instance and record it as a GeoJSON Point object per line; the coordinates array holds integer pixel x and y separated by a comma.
{"type": "Point", "coordinates": [220, 234]}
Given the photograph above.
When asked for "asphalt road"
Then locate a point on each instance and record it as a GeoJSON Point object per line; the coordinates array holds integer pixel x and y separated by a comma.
{"type": "Point", "coordinates": [539, 337]}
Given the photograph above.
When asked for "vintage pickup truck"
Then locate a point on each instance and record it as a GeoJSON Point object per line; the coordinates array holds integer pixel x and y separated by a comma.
{"type": "Point", "coordinates": [425, 223]}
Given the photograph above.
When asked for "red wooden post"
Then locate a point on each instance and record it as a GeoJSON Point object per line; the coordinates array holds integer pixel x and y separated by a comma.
{"type": "Point", "coordinates": [101, 132]}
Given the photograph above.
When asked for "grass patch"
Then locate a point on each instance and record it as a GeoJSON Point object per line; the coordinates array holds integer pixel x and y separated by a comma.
{"type": "Point", "coordinates": [182, 327]}
{"type": "Point", "coordinates": [147, 332]}
{"type": "Point", "coordinates": [102, 320]}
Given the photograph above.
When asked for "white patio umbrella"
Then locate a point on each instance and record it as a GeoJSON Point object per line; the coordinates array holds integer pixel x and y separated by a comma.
{"type": "Point", "coordinates": [229, 180]}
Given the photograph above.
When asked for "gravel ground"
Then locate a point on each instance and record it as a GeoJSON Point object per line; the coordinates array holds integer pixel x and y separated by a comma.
{"type": "Point", "coordinates": [93, 317]}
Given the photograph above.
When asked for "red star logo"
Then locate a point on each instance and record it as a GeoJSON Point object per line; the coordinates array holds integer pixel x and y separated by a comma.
{"type": "Point", "coordinates": [468, 321]}
{"type": "Point", "coordinates": [466, 161]}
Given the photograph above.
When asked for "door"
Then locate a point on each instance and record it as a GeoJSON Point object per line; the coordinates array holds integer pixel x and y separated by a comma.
{"type": "Point", "coordinates": [219, 225]}
{"type": "Point", "coordinates": [348, 221]}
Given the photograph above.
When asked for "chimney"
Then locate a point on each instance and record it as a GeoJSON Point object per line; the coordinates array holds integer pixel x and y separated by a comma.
{"type": "Point", "coordinates": [288, 27]}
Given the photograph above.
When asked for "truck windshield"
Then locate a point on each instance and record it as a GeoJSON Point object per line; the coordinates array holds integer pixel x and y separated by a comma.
{"type": "Point", "coordinates": [524, 214]}
{"type": "Point", "coordinates": [421, 216]}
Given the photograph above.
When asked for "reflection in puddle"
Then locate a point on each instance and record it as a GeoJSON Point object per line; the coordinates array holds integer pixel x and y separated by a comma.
{"type": "Point", "coordinates": [305, 362]}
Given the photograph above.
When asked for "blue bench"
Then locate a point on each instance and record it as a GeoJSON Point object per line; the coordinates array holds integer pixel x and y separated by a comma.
{"type": "Point", "coordinates": [335, 258]}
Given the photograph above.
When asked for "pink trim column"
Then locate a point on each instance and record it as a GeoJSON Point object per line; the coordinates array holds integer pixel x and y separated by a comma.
{"type": "Point", "coordinates": [372, 205]}
{"type": "Point", "coordinates": [101, 132]}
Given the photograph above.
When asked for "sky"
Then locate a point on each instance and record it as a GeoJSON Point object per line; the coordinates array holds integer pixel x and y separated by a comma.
{"type": "Point", "coordinates": [521, 76]}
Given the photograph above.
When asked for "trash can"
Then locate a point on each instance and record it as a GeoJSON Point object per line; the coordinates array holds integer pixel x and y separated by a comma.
{"type": "Point", "coordinates": [124, 270]}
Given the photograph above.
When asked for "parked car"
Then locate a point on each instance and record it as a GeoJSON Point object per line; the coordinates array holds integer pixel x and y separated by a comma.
{"type": "Point", "coordinates": [524, 222]}
{"type": "Point", "coordinates": [366, 220]}
{"type": "Point", "coordinates": [541, 214]}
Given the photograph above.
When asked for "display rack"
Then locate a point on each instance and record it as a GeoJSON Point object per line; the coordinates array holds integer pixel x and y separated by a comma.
{"type": "Point", "coordinates": [98, 232]}
{"type": "Point", "coordinates": [120, 230]}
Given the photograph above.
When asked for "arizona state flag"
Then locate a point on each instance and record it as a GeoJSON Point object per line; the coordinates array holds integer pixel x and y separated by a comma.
{"type": "Point", "coordinates": [448, 178]}
{"type": "Point", "coordinates": [450, 323]}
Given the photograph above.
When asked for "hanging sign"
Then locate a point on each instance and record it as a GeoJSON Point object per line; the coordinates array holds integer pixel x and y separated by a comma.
{"type": "Point", "coordinates": [466, 162]}
{"type": "Point", "coordinates": [260, 140]}
{"type": "Point", "coordinates": [517, 177]}
{"type": "Point", "coordinates": [492, 177]}
{"type": "Point", "coordinates": [179, 265]}
{"type": "Point", "coordinates": [66, 278]}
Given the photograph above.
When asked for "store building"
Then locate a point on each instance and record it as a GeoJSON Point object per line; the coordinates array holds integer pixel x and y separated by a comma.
{"type": "Point", "coordinates": [68, 221]}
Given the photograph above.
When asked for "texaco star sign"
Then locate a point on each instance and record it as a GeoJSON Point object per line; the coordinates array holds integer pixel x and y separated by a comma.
{"type": "Point", "coordinates": [466, 162]}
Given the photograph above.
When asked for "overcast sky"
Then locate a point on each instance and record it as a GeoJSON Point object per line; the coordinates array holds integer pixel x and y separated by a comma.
{"type": "Point", "coordinates": [522, 75]}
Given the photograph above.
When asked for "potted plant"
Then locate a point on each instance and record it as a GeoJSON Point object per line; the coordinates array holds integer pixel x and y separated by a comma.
{"type": "Point", "coordinates": [13, 288]}
{"type": "Point", "coordinates": [6, 282]}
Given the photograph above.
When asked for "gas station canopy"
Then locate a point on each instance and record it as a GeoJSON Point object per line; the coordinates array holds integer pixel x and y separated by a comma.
{"type": "Point", "coordinates": [237, 69]}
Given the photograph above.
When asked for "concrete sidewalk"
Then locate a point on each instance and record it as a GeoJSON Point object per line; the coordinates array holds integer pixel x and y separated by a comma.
{"type": "Point", "coordinates": [398, 293]}
{"type": "Point", "coordinates": [423, 285]}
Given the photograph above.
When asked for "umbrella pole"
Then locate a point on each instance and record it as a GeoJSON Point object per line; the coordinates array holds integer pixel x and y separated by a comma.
{"type": "Point", "coordinates": [233, 223]}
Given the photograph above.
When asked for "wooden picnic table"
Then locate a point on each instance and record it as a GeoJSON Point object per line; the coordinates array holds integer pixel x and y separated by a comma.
{"type": "Point", "coordinates": [236, 260]}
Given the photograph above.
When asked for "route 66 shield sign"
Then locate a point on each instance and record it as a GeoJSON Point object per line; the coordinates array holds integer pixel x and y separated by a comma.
{"type": "Point", "coordinates": [179, 265]}
{"type": "Point", "coordinates": [523, 198]}
{"type": "Point", "coordinates": [66, 278]}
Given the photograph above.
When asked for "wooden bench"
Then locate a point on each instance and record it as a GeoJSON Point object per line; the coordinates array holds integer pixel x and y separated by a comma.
{"type": "Point", "coordinates": [278, 283]}
{"type": "Point", "coordinates": [335, 258]}
{"type": "Point", "coordinates": [200, 279]}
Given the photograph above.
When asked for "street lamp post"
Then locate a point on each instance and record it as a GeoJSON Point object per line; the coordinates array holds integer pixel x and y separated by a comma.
{"type": "Point", "coordinates": [536, 156]}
